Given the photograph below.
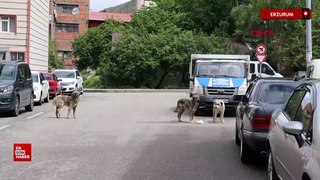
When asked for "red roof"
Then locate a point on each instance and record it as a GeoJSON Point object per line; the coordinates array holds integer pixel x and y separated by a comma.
{"type": "Point", "coordinates": [103, 16]}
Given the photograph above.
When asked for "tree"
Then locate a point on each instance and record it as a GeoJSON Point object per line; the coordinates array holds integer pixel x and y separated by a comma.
{"type": "Point", "coordinates": [54, 62]}
{"type": "Point", "coordinates": [288, 46]}
{"type": "Point", "coordinates": [152, 44]}
{"type": "Point", "coordinates": [94, 43]}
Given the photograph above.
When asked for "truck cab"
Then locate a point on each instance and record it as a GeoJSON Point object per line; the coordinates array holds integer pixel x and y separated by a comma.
{"type": "Point", "coordinates": [215, 76]}
{"type": "Point", "coordinates": [263, 69]}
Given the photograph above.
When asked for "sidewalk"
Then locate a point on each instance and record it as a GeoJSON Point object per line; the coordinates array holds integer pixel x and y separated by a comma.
{"type": "Point", "coordinates": [136, 90]}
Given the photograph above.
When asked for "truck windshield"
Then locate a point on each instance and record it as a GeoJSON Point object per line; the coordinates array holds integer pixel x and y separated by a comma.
{"type": "Point", "coordinates": [221, 69]}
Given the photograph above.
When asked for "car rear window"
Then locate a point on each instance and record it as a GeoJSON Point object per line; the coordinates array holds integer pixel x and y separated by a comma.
{"type": "Point", "coordinates": [276, 93]}
{"type": "Point", "coordinates": [47, 76]}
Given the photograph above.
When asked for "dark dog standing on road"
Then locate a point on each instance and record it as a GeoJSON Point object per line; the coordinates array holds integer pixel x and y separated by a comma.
{"type": "Point", "coordinates": [70, 101]}
{"type": "Point", "coordinates": [190, 105]}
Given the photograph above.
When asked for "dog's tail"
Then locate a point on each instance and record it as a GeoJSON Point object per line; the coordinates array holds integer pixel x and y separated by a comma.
{"type": "Point", "coordinates": [54, 101]}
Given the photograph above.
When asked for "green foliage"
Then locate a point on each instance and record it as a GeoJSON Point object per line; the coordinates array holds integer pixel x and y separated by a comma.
{"type": "Point", "coordinates": [288, 45]}
{"type": "Point", "coordinates": [54, 62]}
{"type": "Point", "coordinates": [96, 41]}
{"type": "Point", "coordinates": [92, 81]}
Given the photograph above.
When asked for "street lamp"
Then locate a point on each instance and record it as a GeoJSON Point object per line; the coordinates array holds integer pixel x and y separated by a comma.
{"type": "Point", "coordinates": [308, 36]}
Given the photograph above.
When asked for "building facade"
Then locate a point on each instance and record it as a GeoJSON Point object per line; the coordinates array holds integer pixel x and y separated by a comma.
{"type": "Point", "coordinates": [24, 30]}
{"type": "Point", "coordinates": [69, 21]}
{"type": "Point", "coordinates": [97, 18]}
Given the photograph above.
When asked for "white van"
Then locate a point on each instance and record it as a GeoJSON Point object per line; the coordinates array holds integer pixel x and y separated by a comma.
{"type": "Point", "coordinates": [263, 69]}
{"type": "Point", "coordinates": [313, 69]}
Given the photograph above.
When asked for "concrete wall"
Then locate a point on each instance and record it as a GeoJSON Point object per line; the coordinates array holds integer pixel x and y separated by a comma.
{"type": "Point", "coordinates": [39, 35]}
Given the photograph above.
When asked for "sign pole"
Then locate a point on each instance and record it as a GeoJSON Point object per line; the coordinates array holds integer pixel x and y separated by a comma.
{"type": "Point", "coordinates": [308, 36]}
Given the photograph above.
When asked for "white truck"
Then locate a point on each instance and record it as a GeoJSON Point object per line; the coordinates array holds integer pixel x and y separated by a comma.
{"type": "Point", "coordinates": [218, 76]}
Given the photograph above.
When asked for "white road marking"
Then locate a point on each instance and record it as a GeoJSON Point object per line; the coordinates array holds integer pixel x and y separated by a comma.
{"type": "Point", "coordinates": [35, 115]}
{"type": "Point", "coordinates": [5, 126]}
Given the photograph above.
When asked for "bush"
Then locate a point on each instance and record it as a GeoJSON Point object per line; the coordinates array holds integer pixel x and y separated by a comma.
{"type": "Point", "coordinates": [92, 82]}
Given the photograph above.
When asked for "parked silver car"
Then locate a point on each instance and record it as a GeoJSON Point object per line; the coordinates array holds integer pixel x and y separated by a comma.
{"type": "Point", "coordinates": [294, 135]}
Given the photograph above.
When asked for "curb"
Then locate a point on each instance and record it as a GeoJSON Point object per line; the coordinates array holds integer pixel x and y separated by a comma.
{"type": "Point", "coordinates": [136, 90]}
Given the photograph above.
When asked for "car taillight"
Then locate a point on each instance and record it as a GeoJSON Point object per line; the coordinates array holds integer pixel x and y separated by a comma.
{"type": "Point", "coordinates": [261, 122]}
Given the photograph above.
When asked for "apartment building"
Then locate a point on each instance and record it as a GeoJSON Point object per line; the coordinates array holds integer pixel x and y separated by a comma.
{"type": "Point", "coordinates": [97, 18]}
{"type": "Point", "coordinates": [69, 21]}
{"type": "Point", "coordinates": [24, 28]}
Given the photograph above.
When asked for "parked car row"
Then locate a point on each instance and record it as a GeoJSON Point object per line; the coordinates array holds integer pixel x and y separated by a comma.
{"type": "Point", "coordinates": [278, 117]}
{"type": "Point", "coordinates": [21, 88]}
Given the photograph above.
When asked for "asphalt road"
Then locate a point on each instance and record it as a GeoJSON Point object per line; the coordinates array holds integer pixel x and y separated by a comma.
{"type": "Point", "coordinates": [129, 136]}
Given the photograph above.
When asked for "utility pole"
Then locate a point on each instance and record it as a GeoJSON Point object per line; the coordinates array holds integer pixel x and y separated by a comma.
{"type": "Point", "coordinates": [308, 35]}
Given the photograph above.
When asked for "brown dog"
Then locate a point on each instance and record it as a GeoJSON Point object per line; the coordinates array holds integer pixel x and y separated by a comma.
{"type": "Point", "coordinates": [70, 101]}
{"type": "Point", "coordinates": [190, 105]}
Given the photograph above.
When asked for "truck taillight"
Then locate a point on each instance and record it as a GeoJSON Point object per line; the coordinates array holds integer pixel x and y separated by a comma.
{"type": "Point", "coordinates": [261, 122]}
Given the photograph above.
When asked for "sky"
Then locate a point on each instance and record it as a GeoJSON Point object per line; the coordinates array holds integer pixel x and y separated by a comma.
{"type": "Point", "coordinates": [98, 5]}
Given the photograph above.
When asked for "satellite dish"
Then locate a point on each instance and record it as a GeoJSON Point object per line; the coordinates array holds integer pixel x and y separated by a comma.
{"type": "Point", "coordinates": [75, 11]}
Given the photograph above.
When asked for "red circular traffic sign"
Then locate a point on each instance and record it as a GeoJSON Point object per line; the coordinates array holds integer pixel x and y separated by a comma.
{"type": "Point", "coordinates": [261, 49]}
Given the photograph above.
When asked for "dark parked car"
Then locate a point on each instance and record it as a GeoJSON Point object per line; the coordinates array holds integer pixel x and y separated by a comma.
{"type": "Point", "coordinates": [16, 89]}
{"type": "Point", "coordinates": [294, 136]}
{"type": "Point", "coordinates": [254, 111]}
{"type": "Point", "coordinates": [55, 87]}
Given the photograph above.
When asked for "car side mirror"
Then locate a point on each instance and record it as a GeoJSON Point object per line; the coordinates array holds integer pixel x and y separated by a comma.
{"type": "Point", "coordinates": [294, 128]}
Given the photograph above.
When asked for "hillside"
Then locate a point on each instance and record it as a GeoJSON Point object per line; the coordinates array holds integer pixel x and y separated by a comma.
{"type": "Point", "coordinates": [128, 7]}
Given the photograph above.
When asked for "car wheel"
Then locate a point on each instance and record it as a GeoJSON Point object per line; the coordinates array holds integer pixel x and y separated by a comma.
{"type": "Point", "coordinates": [272, 175]}
{"type": "Point", "coordinates": [16, 110]}
{"type": "Point", "coordinates": [47, 98]}
{"type": "Point", "coordinates": [245, 152]}
{"type": "Point", "coordinates": [31, 105]}
{"type": "Point", "coordinates": [237, 139]}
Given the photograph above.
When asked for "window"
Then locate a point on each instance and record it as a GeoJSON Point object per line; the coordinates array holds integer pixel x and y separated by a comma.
{"type": "Point", "coordinates": [2, 56]}
{"type": "Point", "coordinates": [21, 73]}
{"type": "Point", "coordinates": [70, 28]}
{"type": "Point", "coordinates": [293, 104]}
{"type": "Point", "coordinates": [35, 77]}
{"type": "Point", "coordinates": [55, 77]}
{"type": "Point", "coordinates": [64, 54]}
{"type": "Point", "coordinates": [67, 9]}
{"type": "Point", "coordinates": [305, 114]}
{"type": "Point", "coordinates": [252, 68]}
{"type": "Point", "coordinates": [7, 24]}
{"type": "Point", "coordinates": [7, 72]}
{"type": "Point", "coordinates": [15, 56]}
{"type": "Point", "coordinates": [65, 74]}
{"type": "Point", "coordinates": [47, 76]}
{"type": "Point", "coordinates": [275, 93]}
{"type": "Point", "coordinates": [265, 69]}
{"type": "Point", "coordinates": [27, 71]}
